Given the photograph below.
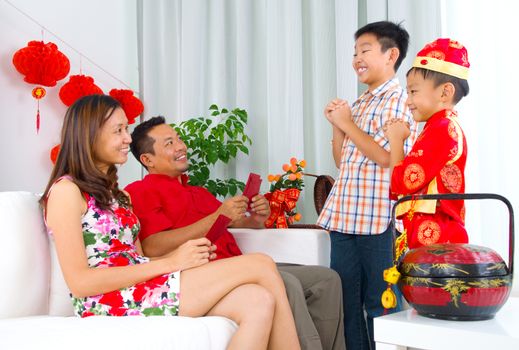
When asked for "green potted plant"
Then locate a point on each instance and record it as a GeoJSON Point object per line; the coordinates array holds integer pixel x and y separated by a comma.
{"type": "Point", "coordinates": [211, 139]}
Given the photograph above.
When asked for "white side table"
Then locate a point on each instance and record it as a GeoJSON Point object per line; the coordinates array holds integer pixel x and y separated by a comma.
{"type": "Point", "coordinates": [407, 329]}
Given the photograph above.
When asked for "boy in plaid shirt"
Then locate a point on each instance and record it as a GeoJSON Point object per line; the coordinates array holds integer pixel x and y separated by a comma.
{"type": "Point", "coordinates": [357, 211]}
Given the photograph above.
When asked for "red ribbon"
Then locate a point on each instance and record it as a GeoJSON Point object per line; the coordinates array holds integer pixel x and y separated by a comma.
{"type": "Point", "coordinates": [281, 202]}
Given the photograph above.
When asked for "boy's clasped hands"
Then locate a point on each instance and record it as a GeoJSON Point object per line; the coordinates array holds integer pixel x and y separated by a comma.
{"type": "Point", "coordinates": [396, 129]}
{"type": "Point", "coordinates": [338, 112]}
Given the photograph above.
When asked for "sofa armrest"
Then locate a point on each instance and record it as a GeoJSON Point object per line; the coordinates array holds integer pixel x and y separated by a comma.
{"type": "Point", "coordinates": [293, 245]}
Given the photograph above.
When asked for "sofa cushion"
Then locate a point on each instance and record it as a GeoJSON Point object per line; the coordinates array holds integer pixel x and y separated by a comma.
{"type": "Point", "coordinates": [60, 303]}
{"type": "Point", "coordinates": [25, 261]}
{"type": "Point", "coordinates": [132, 332]}
{"type": "Point", "coordinates": [290, 245]}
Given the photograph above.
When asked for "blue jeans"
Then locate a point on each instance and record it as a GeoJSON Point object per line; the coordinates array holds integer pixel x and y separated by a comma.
{"type": "Point", "coordinates": [360, 261]}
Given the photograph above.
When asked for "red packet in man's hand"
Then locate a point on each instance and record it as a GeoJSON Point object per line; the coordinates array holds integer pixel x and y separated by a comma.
{"type": "Point", "coordinates": [252, 187]}
{"type": "Point", "coordinates": [219, 227]}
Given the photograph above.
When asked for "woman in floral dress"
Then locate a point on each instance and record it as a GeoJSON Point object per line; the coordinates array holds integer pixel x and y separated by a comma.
{"type": "Point", "coordinates": [96, 232]}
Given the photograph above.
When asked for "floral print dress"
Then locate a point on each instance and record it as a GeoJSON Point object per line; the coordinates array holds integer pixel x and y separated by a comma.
{"type": "Point", "coordinates": [110, 241]}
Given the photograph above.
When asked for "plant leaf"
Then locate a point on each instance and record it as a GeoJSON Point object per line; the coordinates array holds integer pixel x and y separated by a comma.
{"type": "Point", "coordinates": [244, 149]}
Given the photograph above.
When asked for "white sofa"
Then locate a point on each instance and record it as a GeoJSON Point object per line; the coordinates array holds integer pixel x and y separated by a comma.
{"type": "Point", "coordinates": [36, 311]}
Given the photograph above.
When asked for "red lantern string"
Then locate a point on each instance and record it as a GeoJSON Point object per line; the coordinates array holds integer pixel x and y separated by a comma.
{"type": "Point", "coordinates": [41, 64]}
{"type": "Point", "coordinates": [131, 105]}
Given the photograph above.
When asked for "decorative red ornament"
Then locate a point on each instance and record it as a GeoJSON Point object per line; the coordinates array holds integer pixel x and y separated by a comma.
{"type": "Point", "coordinates": [41, 64]}
{"type": "Point", "coordinates": [38, 92]}
{"type": "Point", "coordinates": [281, 202]}
{"type": "Point", "coordinates": [54, 153]}
{"type": "Point", "coordinates": [77, 87]}
{"type": "Point", "coordinates": [131, 105]}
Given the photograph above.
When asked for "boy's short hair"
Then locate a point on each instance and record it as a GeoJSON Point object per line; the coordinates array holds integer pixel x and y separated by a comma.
{"type": "Point", "coordinates": [141, 142]}
{"type": "Point", "coordinates": [389, 35]}
{"type": "Point", "coordinates": [461, 86]}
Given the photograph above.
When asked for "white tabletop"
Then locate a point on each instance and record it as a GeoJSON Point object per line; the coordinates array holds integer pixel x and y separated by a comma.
{"type": "Point", "coordinates": [408, 329]}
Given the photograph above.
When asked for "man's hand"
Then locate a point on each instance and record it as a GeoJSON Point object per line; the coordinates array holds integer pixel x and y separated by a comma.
{"type": "Point", "coordinates": [260, 208]}
{"type": "Point", "coordinates": [234, 208]}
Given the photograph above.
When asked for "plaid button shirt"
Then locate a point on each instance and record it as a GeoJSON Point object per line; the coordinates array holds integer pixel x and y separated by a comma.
{"type": "Point", "coordinates": [359, 200]}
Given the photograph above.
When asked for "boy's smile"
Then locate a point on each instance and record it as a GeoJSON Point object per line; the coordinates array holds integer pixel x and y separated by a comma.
{"type": "Point", "coordinates": [373, 67]}
{"type": "Point", "coordinates": [424, 99]}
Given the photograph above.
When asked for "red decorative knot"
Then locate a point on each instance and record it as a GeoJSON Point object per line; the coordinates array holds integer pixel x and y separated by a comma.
{"type": "Point", "coordinates": [38, 92]}
{"type": "Point", "coordinates": [424, 62]}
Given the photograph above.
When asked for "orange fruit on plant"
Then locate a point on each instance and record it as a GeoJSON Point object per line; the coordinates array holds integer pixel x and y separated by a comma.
{"type": "Point", "coordinates": [286, 167]}
{"type": "Point", "coordinates": [298, 217]}
{"type": "Point", "coordinates": [293, 160]}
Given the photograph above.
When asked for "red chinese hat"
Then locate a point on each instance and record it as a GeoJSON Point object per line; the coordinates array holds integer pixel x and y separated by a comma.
{"type": "Point", "coordinates": [445, 56]}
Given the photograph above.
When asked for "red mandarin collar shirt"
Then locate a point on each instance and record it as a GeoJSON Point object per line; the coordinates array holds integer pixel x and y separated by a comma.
{"type": "Point", "coordinates": [435, 164]}
{"type": "Point", "coordinates": [162, 202]}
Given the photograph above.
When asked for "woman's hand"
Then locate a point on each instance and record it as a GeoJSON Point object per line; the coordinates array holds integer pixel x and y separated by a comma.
{"type": "Point", "coordinates": [193, 253]}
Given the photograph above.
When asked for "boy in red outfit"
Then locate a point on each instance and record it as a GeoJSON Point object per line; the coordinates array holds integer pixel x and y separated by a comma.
{"type": "Point", "coordinates": [436, 164]}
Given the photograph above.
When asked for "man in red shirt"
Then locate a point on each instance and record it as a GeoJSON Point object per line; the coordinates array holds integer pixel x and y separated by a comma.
{"type": "Point", "coordinates": [172, 212]}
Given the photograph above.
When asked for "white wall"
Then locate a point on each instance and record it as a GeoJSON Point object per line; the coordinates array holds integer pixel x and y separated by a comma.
{"type": "Point", "coordinates": [103, 31]}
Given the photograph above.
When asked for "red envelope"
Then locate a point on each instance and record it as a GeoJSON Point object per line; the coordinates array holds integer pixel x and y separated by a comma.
{"type": "Point", "coordinates": [252, 187]}
{"type": "Point", "coordinates": [219, 227]}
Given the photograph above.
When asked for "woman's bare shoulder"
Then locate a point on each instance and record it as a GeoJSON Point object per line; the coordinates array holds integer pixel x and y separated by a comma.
{"type": "Point", "coordinates": [65, 190]}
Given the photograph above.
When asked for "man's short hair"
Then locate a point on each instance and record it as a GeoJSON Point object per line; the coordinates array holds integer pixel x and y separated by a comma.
{"type": "Point", "coordinates": [141, 142]}
{"type": "Point", "coordinates": [389, 35]}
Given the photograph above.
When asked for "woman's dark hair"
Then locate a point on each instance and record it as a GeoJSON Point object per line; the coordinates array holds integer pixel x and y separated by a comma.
{"type": "Point", "coordinates": [461, 86]}
{"type": "Point", "coordinates": [81, 126]}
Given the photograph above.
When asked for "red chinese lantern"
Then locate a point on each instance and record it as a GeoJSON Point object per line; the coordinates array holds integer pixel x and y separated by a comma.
{"type": "Point", "coordinates": [77, 87]}
{"type": "Point", "coordinates": [41, 64]}
{"type": "Point", "coordinates": [131, 105]}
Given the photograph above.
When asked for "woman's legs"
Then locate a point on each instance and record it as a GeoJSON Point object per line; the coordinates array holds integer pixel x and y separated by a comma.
{"type": "Point", "coordinates": [201, 288]}
{"type": "Point", "coordinates": [252, 308]}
